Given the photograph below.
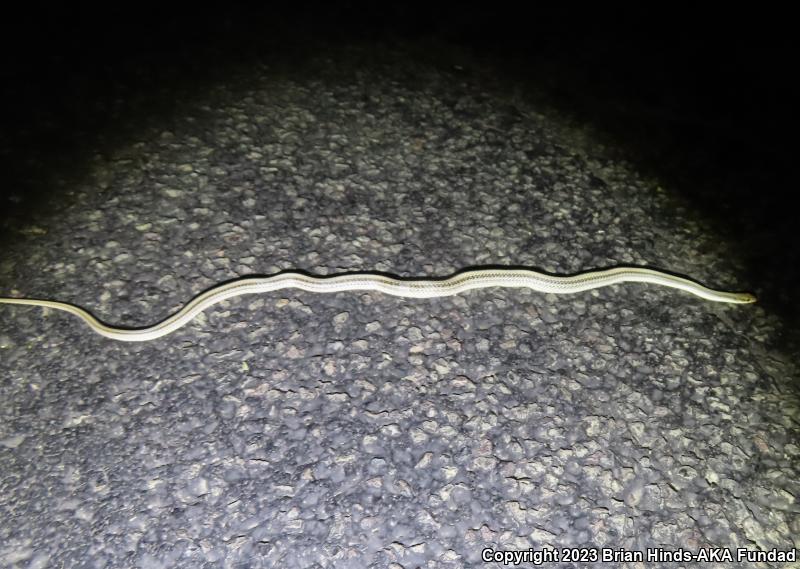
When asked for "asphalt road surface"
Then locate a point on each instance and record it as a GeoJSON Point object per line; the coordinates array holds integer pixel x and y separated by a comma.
{"type": "Point", "coordinates": [361, 430]}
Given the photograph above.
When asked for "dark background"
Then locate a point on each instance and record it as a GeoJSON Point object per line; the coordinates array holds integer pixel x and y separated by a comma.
{"type": "Point", "coordinates": [704, 102]}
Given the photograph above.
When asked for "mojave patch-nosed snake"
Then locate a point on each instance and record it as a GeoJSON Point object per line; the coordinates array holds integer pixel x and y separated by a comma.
{"type": "Point", "coordinates": [411, 288]}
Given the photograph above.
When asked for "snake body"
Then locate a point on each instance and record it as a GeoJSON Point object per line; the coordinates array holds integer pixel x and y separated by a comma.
{"type": "Point", "coordinates": [410, 288]}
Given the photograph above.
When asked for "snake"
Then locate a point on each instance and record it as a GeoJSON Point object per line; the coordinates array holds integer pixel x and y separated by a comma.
{"type": "Point", "coordinates": [460, 282]}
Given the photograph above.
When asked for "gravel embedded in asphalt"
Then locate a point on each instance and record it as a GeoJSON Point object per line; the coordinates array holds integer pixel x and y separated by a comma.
{"type": "Point", "coordinates": [362, 430]}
